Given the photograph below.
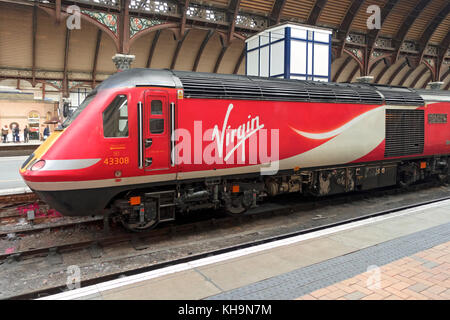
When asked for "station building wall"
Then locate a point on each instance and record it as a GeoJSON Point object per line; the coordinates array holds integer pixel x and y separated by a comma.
{"type": "Point", "coordinates": [22, 109]}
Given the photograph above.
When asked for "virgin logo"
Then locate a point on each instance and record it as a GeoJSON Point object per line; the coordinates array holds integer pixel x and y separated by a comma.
{"type": "Point", "coordinates": [227, 145]}
{"type": "Point", "coordinates": [242, 133]}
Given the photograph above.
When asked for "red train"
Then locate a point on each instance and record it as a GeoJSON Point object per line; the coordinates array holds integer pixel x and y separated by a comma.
{"type": "Point", "coordinates": [146, 143]}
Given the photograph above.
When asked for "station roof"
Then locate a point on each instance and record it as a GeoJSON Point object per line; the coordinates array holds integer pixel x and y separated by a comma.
{"type": "Point", "coordinates": [411, 48]}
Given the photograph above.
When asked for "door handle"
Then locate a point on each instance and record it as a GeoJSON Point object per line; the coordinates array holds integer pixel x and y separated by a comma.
{"type": "Point", "coordinates": [148, 143]}
{"type": "Point", "coordinates": [148, 162]}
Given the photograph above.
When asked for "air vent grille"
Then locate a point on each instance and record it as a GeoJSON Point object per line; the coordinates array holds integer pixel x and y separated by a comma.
{"type": "Point", "coordinates": [401, 96]}
{"type": "Point", "coordinates": [203, 85]}
{"type": "Point", "coordinates": [404, 132]}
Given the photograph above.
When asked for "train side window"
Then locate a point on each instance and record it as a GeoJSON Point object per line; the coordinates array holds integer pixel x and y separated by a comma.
{"type": "Point", "coordinates": [156, 112]}
{"type": "Point", "coordinates": [156, 107]}
{"type": "Point", "coordinates": [115, 118]}
{"type": "Point", "coordinates": [156, 126]}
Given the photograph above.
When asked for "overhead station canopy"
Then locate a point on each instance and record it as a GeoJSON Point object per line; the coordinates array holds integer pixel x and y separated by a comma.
{"type": "Point", "coordinates": [290, 51]}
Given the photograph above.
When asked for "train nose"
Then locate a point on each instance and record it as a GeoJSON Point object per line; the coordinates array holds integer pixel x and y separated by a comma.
{"type": "Point", "coordinates": [30, 167]}
{"type": "Point", "coordinates": [38, 154]}
{"type": "Point", "coordinates": [26, 162]}
{"type": "Point", "coordinates": [37, 165]}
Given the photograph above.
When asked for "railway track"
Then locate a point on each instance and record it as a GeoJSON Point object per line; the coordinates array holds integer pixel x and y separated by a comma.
{"type": "Point", "coordinates": [143, 240]}
{"type": "Point", "coordinates": [24, 218]}
{"type": "Point", "coordinates": [15, 218]}
{"type": "Point", "coordinates": [202, 221]}
{"type": "Point", "coordinates": [11, 199]}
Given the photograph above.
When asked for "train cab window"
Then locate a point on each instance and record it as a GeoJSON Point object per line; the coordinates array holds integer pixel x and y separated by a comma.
{"type": "Point", "coordinates": [115, 118]}
{"type": "Point", "coordinates": [156, 126]}
{"type": "Point", "coordinates": [156, 107]}
{"type": "Point", "coordinates": [79, 109]}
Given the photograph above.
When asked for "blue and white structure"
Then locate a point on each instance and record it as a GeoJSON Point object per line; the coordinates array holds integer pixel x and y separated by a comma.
{"type": "Point", "coordinates": [290, 51]}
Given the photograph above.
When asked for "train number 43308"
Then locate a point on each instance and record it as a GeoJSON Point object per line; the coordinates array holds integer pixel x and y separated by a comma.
{"type": "Point", "coordinates": [116, 160]}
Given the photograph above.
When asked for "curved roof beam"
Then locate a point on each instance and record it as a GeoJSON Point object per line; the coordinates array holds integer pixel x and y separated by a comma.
{"type": "Point", "coordinates": [123, 26]}
{"type": "Point", "coordinates": [57, 11]}
{"type": "Point", "coordinates": [355, 57]}
{"type": "Point", "coordinates": [33, 48]}
{"type": "Point", "coordinates": [447, 86]}
{"type": "Point", "coordinates": [183, 5]}
{"type": "Point", "coordinates": [275, 15]}
{"type": "Point", "coordinates": [430, 77]}
{"type": "Point", "coordinates": [208, 36]}
{"type": "Point", "coordinates": [373, 35]}
{"type": "Point", "coordinates": [375, 65]}
{"type": "Point", "coordinates": [396, 72]}
{"type": "Point", "coordinates": [342, 68]}
{"type": "Point", "coordinates": [432, 26]}
{"type": "Point", "coordinates": [65, 84]}
{"type": "Point", "coordinates": [383, 71]}
{"type": "Point", "coordinates": [95, 59]}
{"type": "Point", "coordinates": [178, 49]}
{"type": "Point", "coordinates": [233, 9]}
{"type": "Point", "coordinates": [220, 57]}
{"type": "Point", "coordinates": [445, 44]}
{"type": "Point", "coordinates": [316, 11]}
{"type": "Point", "coordinates": [153, 47]}
{"type": "Point", "coordinates": [445, 75]}
{"type": "Point", "coordinates": [344, 28]}
{"type": "Point", "coordinates": [239, 61]}
{"type": "Point", "coordinates": [419, 76]}
{"type": "Point", "coordinates": [406, 76]}
{"type": "Point", "coordinates": [142, 33]}
{"type": "Point", "coordinates": [407, 24]}
{"type": "Point", "coordinates": [352, 74]}
{"type": "Point", "coordinates": [87, 18]}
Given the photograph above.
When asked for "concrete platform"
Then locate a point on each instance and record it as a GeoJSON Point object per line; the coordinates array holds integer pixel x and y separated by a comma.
{"type": "Point", "coordinates": [13, 149]}
{"type": "Point", "coordinates": [299, 267]}
{"type": "Point", "coordinates": [421, 276]}
{"type": "Point", "coordinates": [16, 144]}
{"type": "Point", "coordinates": [10, 180]}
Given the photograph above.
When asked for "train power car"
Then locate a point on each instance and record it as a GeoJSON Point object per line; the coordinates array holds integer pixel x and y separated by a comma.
{"type": "Point", "coordinates": [146, 144]}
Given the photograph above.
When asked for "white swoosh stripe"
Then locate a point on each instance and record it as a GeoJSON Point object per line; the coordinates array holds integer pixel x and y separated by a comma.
{"type": "Point", "coordinates": [335, 132]}
{"type": "Point", "coordinates": [359, 140]}
{"type": "Point", "coordinates": [68, 164]}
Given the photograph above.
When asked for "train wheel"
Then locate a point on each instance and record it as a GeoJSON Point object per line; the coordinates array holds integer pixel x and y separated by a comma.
{"type": "Point", "coordinates": [136, 218]}
{"type": "Point", "coordinates": [235, 209]}
{"type": "Point", "coordinates": [237, 205]}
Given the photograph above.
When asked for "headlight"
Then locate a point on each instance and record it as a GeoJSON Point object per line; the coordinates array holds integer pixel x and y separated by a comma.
{"type": "Point", "coordinates": [38, 165]}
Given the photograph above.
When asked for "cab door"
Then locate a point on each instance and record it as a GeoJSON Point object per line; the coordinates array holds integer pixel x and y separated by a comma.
{"type": "Point", "coordinates": [156, 131]}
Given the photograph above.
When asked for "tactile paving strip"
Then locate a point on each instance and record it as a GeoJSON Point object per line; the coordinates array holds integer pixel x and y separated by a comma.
{"type": "Point", "coordinates": [304, 280]}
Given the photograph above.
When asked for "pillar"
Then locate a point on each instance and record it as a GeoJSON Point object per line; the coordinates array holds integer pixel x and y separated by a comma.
{"type": "Point", "coordinates": [123, 61]}
{"type": "Point", "coordinates": [365, 79]}
{"type": "Point", "coordinates": [436, 85]}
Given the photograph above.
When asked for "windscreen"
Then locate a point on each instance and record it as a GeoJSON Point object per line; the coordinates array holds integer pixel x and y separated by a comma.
{"type": "Point", "coordinates": [78, 110]}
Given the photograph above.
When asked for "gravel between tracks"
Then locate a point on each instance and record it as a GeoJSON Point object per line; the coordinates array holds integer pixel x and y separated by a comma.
{"type": "Point", "coordinates": [28, 275]}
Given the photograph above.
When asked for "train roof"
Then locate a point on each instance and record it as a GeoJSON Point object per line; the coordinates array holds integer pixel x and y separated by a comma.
{"type": "Point", "coordinates": [226, 86]}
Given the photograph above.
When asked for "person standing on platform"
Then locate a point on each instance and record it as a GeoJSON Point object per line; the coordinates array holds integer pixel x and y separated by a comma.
{"type": "Point", "coordinates": [25, 134]}
{"type": "Point", "coordinates": [13, 133]}
{"type": "Point", "coordinates": [46, 132]}
{"type": "Point", "coordinates": [16, 133]}
{"type": "Point", "coordinates": [5, 132]}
